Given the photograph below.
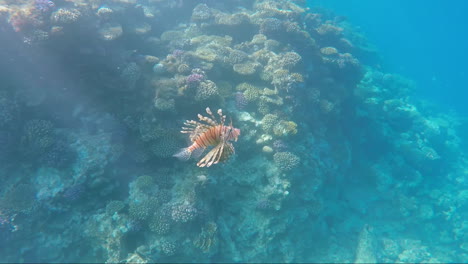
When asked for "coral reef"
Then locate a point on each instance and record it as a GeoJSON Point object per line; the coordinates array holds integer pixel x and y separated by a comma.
{"type": "Point", "coordinates": [92, 100]}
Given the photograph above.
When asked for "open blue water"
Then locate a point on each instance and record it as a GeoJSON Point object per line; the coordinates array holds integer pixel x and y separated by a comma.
{"type": "Point", "coordinates": [423, 40]}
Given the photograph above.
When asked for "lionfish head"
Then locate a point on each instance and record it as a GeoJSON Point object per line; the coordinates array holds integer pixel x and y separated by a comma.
{"type": "Point", "coordinates": [232, 133]}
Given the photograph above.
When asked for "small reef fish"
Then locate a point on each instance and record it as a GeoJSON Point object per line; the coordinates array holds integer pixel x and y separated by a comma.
{"type": "Point", "coordinates": [209, 132]}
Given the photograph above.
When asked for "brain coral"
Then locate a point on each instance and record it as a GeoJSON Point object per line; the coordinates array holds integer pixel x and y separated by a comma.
{"type": "Point", "coordinates": [286, 161]}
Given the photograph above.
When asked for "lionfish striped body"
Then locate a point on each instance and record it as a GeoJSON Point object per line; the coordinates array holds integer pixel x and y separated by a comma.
{"type": "Point", "coordinates": [210, 133]}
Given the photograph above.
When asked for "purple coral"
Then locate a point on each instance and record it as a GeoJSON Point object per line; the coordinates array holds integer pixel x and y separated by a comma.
{"type": "Point", "coordinates": [44, 5]}
{"type": "Point", "coordinates": [194, 79]}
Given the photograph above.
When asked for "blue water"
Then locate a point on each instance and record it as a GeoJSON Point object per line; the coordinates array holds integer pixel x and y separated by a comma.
{"type": "Point", "coordinates": [424, 40]}
{"type": "Point", "coordinates": [241, 131]}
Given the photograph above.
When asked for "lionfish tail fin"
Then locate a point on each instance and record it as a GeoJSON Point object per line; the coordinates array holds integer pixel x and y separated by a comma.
{"type": "Point", "coordinates": [183, 154]}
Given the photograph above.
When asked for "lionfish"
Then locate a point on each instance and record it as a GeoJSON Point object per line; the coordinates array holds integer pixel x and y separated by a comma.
{"type": "Point", "coordinates": [206, 133]}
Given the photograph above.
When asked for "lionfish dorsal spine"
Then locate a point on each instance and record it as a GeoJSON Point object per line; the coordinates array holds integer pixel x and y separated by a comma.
{"type": "Point", "coordinates": [207, 120]}
{"type": "Point", "coordinates": [212, 117]}
{"type": "Point", "coordinates": [222, 118]}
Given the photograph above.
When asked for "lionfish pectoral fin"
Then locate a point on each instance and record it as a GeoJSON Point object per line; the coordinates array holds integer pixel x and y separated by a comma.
{"type": "Point", "coordinates": [212, 157]}
{"type": "Point", "coordinates": [204, 162]}
{"type": "Point", "coordinates": [184, 154]}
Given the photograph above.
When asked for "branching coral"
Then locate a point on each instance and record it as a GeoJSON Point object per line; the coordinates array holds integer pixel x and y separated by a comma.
{"type": "Point", "coordinates": [268, 122]}
{"type": "Point", "coordinates": [286, 161]}
{"type": "Point", "coordinates": [207, 90]}
{"type": "Point", "coordinates": [285, 128]}
{"type": "Point", "coordinates": [251, 93]}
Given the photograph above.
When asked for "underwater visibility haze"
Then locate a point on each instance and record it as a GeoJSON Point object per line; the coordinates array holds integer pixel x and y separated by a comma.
{"type": "Point", "coordinates": [160, 131]}
{"type": "Point", "coordinates": [423, 40]}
